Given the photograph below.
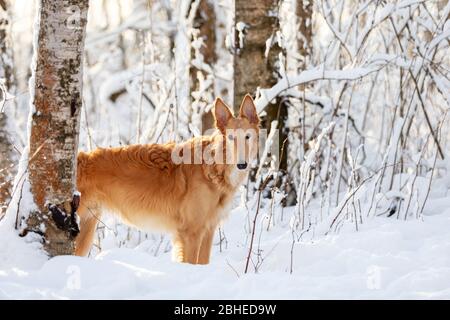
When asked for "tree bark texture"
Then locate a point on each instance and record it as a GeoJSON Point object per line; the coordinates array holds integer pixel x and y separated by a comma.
{"type": "Point", "coordinates": [7, 152]}
{"type": "Point", "coordinates": [256, 21]}
{"type": "Point", "coordinates": [57, 102]}
{"type": "Point", "coordinates": [205, 24]}
{"type": "Point", "coordinates": [303, 12]}
{"type": "Point", "coordinates": [304, 36]}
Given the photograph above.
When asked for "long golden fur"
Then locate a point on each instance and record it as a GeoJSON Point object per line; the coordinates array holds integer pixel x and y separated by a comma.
{"type": "Point", "coordinates": [147, 189]}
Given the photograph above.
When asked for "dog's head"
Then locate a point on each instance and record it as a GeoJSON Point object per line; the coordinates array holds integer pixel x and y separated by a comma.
{"type": "Point", "coordinates": [240, 133]}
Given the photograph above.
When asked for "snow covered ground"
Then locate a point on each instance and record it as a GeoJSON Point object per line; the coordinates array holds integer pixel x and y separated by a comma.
{"type": "Point", "coordinates": [386, 258]}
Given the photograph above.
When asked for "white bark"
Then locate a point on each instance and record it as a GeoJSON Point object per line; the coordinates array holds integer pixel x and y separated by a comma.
{"type": "Point", "coordinates": [7, 152]}
{"type": "Point", "coordinates": [56, 91]}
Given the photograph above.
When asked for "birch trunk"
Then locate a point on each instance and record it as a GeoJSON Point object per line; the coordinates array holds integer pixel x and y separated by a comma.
{"type": "Point", "coordinates": [304, 36]}
{"type": "Point", "coordinates": [255, 65]}
{"type": "Point", "coordinates": [57, 88]}
{"type": "Point", "coordinates": [205, 25]}
{"type": "Point", "coordinates": [297, 136]}
{"type": "Point", "coordinates": [255, 24]}
{"type": "Point", "coordinates": [7, 152]}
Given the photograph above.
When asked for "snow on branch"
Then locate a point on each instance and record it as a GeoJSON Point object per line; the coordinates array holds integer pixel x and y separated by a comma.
{"type": "Point", "coordinates": [319, 73]}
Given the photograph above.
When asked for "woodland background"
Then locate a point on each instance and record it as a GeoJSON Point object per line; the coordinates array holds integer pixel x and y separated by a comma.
{"type": "Point", "coordinates": [360, 91]}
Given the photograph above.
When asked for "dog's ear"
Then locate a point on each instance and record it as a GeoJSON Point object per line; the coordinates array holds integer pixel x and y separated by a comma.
{"type": "Point", "coordinates": [222, 114]}
{"type": "Point", "coordinates": [248, 110]}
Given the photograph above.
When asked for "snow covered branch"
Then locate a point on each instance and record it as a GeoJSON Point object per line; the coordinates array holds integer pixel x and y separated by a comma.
{"type": "Point", "coordinates": [287, 82]}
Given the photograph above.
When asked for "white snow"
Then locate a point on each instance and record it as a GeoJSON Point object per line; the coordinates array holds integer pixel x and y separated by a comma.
{"type": "Point", "coordinates": [306, 76]}
{"type": "Point", "coordinates": [240, 28]}
{"type": "Point", "coordinates": [387, 258]}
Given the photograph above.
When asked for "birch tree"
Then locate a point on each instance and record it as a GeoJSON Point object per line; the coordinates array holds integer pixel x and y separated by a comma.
{"type": "Point", "coordinates": [297, 134]}
{"type": "Point", "coordinates": [56, 100]}
{"type": "Point", "coordinates": [256, 58]}
{"type": "Point", "coordinates": [303, 12]}
{"type": "Point", "coordinates": [7, 152]}
{"type": "Point", "coordinates": [204, 56]}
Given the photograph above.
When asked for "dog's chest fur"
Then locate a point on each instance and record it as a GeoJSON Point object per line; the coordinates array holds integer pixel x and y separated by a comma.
{"type": "Point", "coordinates": [233, 179]}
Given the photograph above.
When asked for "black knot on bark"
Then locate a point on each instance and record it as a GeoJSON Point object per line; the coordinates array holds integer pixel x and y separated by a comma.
{"type": "Point", "coordinates": [73, 106]}
{"type": "Point", "coordinates": [66, 221]}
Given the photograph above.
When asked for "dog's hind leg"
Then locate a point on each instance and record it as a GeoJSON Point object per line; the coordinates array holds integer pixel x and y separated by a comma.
{"type": "Point", "coordinates": [88, 225]}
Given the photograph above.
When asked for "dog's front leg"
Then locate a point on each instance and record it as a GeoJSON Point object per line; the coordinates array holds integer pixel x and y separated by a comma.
{"type": "Point", "coordinates": [186, 246]}
{"type": "Point", "coordinates": [205, 248]}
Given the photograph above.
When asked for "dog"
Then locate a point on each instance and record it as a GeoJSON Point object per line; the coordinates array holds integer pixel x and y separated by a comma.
{"type": "Point", "coordinates": [182, 189]}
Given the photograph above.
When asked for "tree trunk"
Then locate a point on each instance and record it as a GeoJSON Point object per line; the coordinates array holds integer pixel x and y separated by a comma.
{"type": "Point", "coordinates": [304, 17]}
{"type": "Point", "coordinates": [297, 136]}
{"type": "Point", "coordinates": [205, 25]}
{"type": "Point", "coordinates": [7, 152]}
{"type": "Point", "coordinates": [57, 101]}
{"type": "Point", "coordinates": [256, 22]}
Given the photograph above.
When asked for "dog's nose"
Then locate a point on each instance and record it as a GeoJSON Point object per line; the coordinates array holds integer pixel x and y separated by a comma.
{"type": "Point", "coordinates": [242, 166]}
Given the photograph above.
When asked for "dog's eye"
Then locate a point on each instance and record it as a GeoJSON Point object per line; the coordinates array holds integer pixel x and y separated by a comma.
{"type": "Point", "coordinates": [247, 137]}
